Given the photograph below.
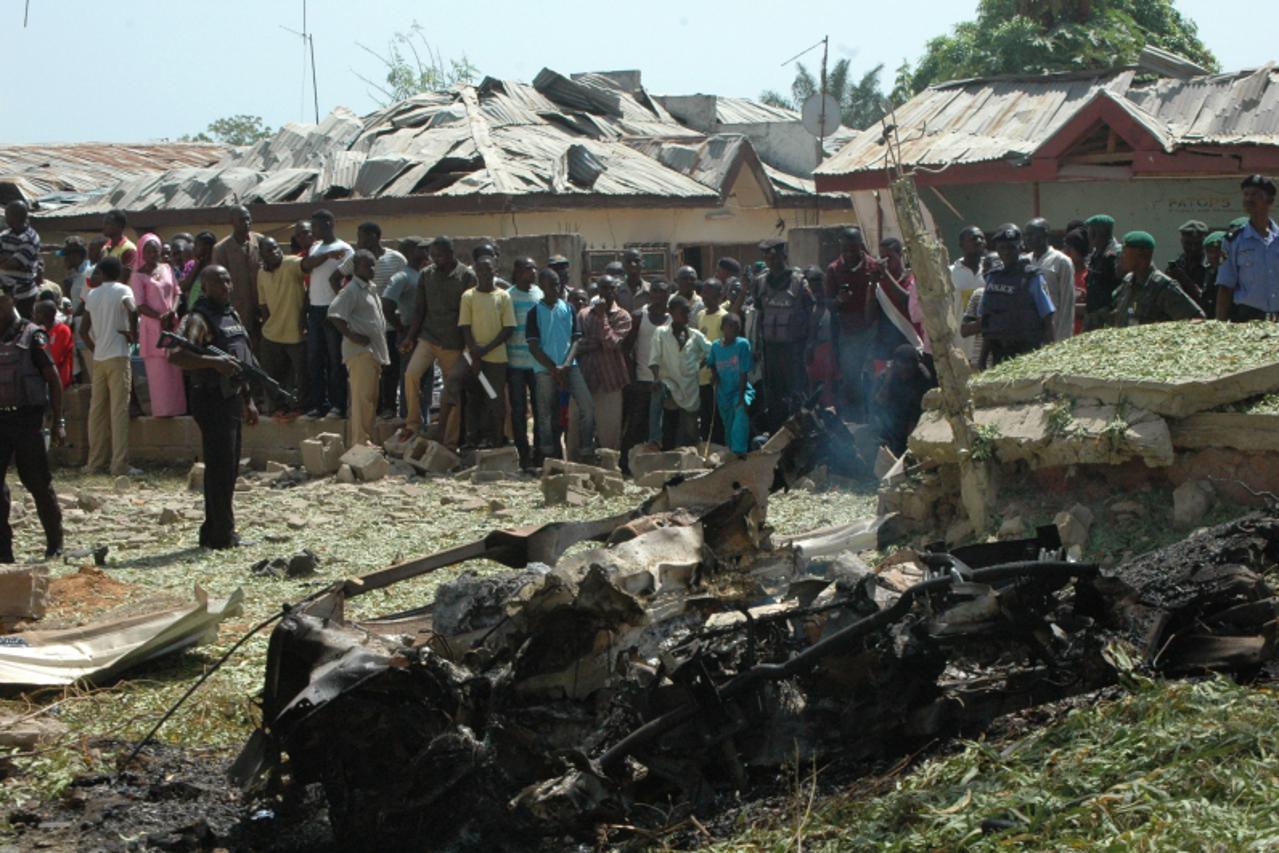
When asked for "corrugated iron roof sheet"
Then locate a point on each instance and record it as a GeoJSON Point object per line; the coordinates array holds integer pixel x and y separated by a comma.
{"type": "Point", "coordinates": [39, 170]}
{"type": "Point", "coordinates": [972, 121]}
{"type": "Point", "coordinates": [584, 135]}
{"type": "Point", "coordinates": [746, 111]}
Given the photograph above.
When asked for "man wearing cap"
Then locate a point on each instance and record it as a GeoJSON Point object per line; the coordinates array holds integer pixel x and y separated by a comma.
{"type": "Point", "coordinates": [1016, 311]}
{"type": "Point", "coordinates": [1103, 269]}
{"type": "Point", "coordinates": [1190, 270]}
{"type": "Point", "coordinates": [849, 286]}
{"type": "Point", "coordinates": [1059, 276]}
{"type": "Point", "coordinates": [785, 306]}
{"type": "Point", "coordinates": [560, 264]}
{"type": "Point", "coordinates": [1146, 295]}
{"type": "Point", "coordinates": [29, 384]}
{"type": "Point", "coordinates": [1248, 280]}
{"type": "Point", "coordinates": [1214, 254]}
{"type": "Point", "coordinates": [20, 257]}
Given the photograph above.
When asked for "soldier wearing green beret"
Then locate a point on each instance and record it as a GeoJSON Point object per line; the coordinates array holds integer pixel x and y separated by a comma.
{"type": "Point", "coordinates": [1191, 269]}
{"type": "Point", "coordinates": [1103, 269]}
{"type": "Point", "coordinates": [1146, 295]}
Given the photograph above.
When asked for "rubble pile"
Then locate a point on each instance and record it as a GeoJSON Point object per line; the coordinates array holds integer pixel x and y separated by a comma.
{"type": "Point", "coordinates": [1174, 401]}
{"type": "Point", "coordinates": [692, 653]}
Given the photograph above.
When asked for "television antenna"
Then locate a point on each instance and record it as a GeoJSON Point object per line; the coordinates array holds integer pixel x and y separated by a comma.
{"type": "Point", "coordinates": [308, 51]}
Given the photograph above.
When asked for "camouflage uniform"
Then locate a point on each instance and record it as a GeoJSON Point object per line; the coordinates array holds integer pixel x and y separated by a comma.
{"type": "Point", "coordinates": [1158, 299]}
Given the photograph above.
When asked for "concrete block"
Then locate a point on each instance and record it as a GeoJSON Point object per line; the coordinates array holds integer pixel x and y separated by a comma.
{"type": "Point", "coordinates": [480, 477]}
{"type": "Point", "coordinates": [322, 455]}
{"type": "Point", "coordinates": [367, 463]}
{"type": "Point", "coordinates": [555, 487]}
{"type": "Point", "coordinates": [498, 459]}
{"type": "Point", "coordinates": [23, 592]}
{"type": "Point", "coordinates": [609, 460]}
{"type": "Point", "coordinates": [1191, 502]}
{"type": "Point", "coordinates": [644, 461]}
{"type": "Point", "coordinates": [431, 457]}
{"type": "Point", "coordinates": [345, 474]}
{"type": "Point", "coordinates": [1072, 530]}
{"type": "Point", "coordinates": [611, 486]}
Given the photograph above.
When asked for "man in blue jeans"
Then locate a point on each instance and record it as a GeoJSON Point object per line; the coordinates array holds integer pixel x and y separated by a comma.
{"type": "Point", "coordinates": [552, 332]}
{"type": "Point", "coordinates": [323, 341]}
{"type": "Point", "coordinates": [525, 294]}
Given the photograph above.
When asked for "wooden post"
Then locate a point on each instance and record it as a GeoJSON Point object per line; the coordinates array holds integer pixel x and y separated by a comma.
{"type": "Point", "coordinates": [931, 266]}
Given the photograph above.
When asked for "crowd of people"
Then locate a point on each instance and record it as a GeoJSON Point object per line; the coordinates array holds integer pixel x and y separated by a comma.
{"type": "Point", "coordinates": [562, 364]}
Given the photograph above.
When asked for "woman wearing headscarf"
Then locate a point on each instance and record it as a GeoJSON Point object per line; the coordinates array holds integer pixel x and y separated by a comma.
{"type": "Point", "coordinates": [156, 292]}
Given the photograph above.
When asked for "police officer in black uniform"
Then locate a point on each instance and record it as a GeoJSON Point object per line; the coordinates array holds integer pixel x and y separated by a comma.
{"type": "Point", "coordinates": [220, 400]}
{"type": "Point", "coordinates": [1016, 311]}
{"type": "Point", "coordinates": [29, 384]}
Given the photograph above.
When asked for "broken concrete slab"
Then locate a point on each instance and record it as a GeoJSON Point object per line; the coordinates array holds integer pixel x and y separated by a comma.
{"type": "Point", "coordinates": [168, 516]}
{"type": "Point", "coordinates": [322, 455]}
{"type": "Point", "coordinates": [367, 463]}
{"type": "Point", "coordinates": [24, 592]}
{"type": "Point", "coordinates": [26, 732]}
{"type": "Point", "coordinates": [608, 459]}
{"type": "Point", "coordinates": [503, 459]}
{"type": "Point", "coordinates": [655, 479]}
{"type": "Point", "coordinates": [345, 474]}
{"type": "Point", "coordinates": [431, 457]}
{"type": "Point", "coordinates": [91, 503]}
{"type": "Point", "coordinates": [643, 460]}
{"type": "Point", "coordinates": [556, 487]}
{"type": "Point", "coordinates": [1085, 432]}
{"type": "Point", "coordinates": [195, 478]}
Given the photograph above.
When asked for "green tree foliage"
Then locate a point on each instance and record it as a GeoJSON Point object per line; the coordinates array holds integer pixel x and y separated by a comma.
{"type": "Point", "coordinates": [413, 67]}
{"type": "Point", "coordinates": [233, 130]}
{"type": "Point", "coordinates": [862, 101]}
{"type": "Point", "coordinates": [1041, 36]}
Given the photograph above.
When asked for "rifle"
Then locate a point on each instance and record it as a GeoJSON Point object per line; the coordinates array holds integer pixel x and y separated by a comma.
{"type": "Point", "coordinates": [247, 370]}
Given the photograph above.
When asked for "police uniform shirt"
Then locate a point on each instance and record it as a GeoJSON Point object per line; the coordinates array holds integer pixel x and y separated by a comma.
{"type": "Point", "coordinates": [32, 415]}
{"type": "Point", "coordinates": [1156, 300]}
{"type": "Point", "coordinates": [1250, 267]}
{"type": "Point", "coordinates": [1003, 280]}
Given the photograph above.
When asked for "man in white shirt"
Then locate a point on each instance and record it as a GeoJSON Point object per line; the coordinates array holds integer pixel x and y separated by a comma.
{"type": "Point", "coordinates": [1059, 276]}
{"type": "Point", "coordinates": [323, 343]}
{"type": "Point", "coordinates": [110, 326]}
{"type": "Point", "coordinates": [966, 276]}
{"type": "Point", "coordinates": [357, 316]}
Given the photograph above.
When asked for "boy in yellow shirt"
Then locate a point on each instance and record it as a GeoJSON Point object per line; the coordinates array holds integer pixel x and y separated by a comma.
{"type": "Point", "coordinates": [487, 319]}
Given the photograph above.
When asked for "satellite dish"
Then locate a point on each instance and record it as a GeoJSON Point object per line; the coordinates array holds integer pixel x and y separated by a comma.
{"type": "Point", "coordinates": [811, 115]}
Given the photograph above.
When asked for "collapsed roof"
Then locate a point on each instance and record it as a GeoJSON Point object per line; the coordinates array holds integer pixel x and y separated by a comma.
{"type": "Point", "coordinates": [65, 174]}
{"type": "Point", "coordinates": [591, 136]}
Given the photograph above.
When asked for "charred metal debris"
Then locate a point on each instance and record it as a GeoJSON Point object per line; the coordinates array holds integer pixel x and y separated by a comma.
{"type": "Point", "coordinates": [689, 655]}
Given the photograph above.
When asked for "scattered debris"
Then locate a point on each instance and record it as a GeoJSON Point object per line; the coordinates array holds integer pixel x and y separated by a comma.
{"type": "Point", "coordinates": [92, 503]}
{"type": "Point", "coordinates": [302, 564]}
{"type": "Point", "coordinates": [104, 650]}
{"type": "Point", "coordinates": [169, 515]}
{"type": "Point", "coordinates": [195, 477]}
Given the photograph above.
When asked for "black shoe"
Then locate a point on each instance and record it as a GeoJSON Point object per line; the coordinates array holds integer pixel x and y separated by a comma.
{"type": "Point", "coordinates": [53, 552]}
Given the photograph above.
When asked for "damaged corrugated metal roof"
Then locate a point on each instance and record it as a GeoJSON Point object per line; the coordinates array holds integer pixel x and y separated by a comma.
{"type": "Point", "coordinates": [589, 135]}
{"type": "Point", "coordinates": [973, 121]}
{"type": "Point", "coordinates": [36, 171]}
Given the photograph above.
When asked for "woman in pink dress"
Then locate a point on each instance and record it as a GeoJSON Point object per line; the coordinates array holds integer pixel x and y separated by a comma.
{"type": "Point", "coordinates": [155, 289]}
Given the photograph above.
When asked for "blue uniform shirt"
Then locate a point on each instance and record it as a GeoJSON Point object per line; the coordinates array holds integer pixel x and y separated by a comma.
{"type": "Point", "coordinates": [1251, 268]}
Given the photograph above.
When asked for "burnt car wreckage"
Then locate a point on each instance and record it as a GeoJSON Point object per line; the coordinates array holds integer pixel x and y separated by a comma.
{"type": "Point", "coordinates": [689, 654]}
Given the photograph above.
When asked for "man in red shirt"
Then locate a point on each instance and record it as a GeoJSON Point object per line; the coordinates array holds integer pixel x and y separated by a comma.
{"type": "Point", "coordinates": [850, 292]}
{"type": "Point", "coordinates": [61, 346]}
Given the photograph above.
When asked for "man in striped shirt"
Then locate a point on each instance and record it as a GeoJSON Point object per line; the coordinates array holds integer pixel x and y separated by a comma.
{"type": "Point", "coordinates": [20, 257]}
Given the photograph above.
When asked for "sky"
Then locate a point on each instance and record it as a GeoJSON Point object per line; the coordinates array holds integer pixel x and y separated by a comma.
{"type": "Point", "coordinates": [146, 71]}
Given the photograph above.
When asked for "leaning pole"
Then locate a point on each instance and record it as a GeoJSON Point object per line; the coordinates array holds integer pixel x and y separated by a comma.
{"type": "Point", "coordinates": [931, 265]}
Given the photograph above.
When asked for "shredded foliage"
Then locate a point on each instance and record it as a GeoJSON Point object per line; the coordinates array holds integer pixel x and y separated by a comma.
{"type": "Point", "coordinates": [1158, 352]}
{"type": "Point", "coordinates": [1174, 765]}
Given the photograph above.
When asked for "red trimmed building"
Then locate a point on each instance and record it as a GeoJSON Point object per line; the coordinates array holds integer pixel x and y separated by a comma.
{"type": "Point", "coordinates": [1152, 152]}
